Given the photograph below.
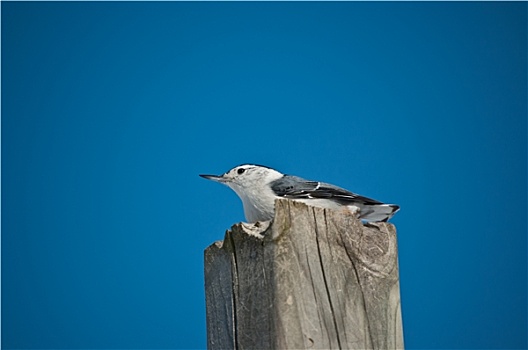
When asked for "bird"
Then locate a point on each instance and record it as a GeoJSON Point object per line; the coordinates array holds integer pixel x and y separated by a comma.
{"type": "Point", "coordinates": [258, 186]}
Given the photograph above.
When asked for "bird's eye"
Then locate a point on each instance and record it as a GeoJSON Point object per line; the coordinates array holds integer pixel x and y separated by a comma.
{"type": "Point", "coordinates": [241, 171]}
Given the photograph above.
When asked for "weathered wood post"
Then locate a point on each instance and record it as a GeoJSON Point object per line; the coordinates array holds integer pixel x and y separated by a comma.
{"type": "Point", "coordinates": [318, 279]}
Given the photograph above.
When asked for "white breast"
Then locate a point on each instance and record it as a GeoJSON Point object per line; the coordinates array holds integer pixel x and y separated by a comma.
{"type": "Point", "coordinates": [257, 197]}
{"type": "Point", "coordinates": [259, 204]}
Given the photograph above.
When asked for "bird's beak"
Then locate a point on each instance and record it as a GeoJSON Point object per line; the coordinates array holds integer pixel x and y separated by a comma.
{"type": "Point", "coordinates": [215, 178]}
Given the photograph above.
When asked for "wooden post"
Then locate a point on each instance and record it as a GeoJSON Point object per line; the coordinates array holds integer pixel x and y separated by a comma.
{"type": "Point", "coordinates": [318, 279]}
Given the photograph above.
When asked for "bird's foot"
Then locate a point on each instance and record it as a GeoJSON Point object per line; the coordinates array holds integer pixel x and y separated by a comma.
{"type": "Point", "coordinates": [255, 229]}
{"type": "Point", "coordinates": [354, 210]}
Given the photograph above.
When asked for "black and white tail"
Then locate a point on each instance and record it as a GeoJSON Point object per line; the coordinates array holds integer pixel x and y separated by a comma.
{"type": "Point", "coordinates": [378, 212]}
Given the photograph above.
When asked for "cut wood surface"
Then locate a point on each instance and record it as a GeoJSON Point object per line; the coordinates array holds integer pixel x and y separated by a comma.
{"type": "Point", "coordinates": [314, 279]}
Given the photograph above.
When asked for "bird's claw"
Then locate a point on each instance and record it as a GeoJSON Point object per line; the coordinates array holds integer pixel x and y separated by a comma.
{"type": "Point", "coordinates": [255, 229]}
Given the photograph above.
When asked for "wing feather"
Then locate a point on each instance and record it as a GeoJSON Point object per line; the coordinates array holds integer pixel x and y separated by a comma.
{"type": "Point", "coordinates": [298, 188]}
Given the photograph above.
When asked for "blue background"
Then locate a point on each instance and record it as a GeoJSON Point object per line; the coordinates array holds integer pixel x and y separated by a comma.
{"type": "Point", "coordinates": [111, 110]}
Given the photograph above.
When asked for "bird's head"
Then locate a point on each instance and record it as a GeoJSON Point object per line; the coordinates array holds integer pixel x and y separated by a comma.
{"type": "Point", "coordinates": [246, 176]}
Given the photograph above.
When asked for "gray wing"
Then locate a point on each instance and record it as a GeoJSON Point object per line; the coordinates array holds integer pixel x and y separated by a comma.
{"type": "Point", "coordinates": [299, 188]}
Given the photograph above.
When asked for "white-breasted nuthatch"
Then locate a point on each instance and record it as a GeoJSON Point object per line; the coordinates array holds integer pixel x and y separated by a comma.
{"type": "Point", "coordinates": [258, 187]}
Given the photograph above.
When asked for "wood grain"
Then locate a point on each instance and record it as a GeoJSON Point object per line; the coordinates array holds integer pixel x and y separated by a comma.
{"type": "Point", "coordinates": [318, 279]}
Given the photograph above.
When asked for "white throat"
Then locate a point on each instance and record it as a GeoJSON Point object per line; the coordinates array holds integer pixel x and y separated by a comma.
{"type": "Point", "coordinates": [257, 197]}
